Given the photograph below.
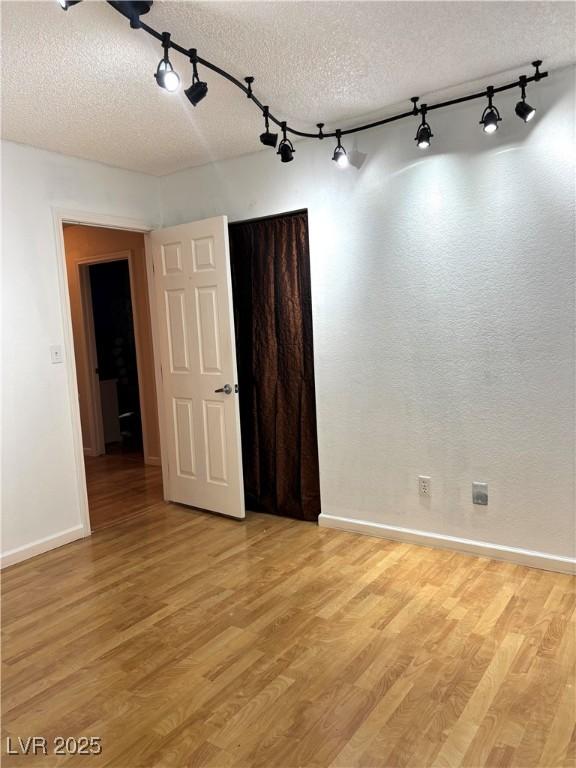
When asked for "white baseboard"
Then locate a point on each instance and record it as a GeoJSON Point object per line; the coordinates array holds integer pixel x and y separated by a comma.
{"type": "Point", "coordinates": [154, 461]}
{"type": "Point", "coordinates": [42, 545]}
{"type": "Point", "coordinates": [527, 557]}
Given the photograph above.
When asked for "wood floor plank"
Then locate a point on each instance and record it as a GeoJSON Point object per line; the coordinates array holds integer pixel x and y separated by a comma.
{"type": "Point", "coordinates": [186, 639]}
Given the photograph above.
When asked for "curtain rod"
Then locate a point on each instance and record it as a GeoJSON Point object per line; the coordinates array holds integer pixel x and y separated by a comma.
{"type": "Point", "coordinates": [284, 215]}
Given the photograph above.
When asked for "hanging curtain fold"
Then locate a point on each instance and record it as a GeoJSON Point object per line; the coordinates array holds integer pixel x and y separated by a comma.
{"type": "Point", "coordinates": [270, 267]}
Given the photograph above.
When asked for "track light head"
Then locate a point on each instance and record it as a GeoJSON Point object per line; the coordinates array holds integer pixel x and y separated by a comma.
{"type": "Point", "coordinates": [490, 117]}
{"type": "Point", "coordinates": [65, 4]}
{"type": "Point", "coordinates": [490, 120]}
{"type": "Point", "coordinates": [523, 110]}
{"type": "Point", "coordinates": [196, 92]}
{"type": "Point", "coordinates": [285, 148]}
{"type": "Point", "coordinates": [199, 88]}
{"type": "Point", "coordinates": [167, 77]}
{"type": "Point", "coordinates": [340, 157]}
{"type": "Point", "coordinates": [268, 138]}
{"type": "Point", "coordinates": [423, 137]}
{"type": "Point", "coordinates": [286, 152]}
{"type": "Point", "coordinates": [424, 133]}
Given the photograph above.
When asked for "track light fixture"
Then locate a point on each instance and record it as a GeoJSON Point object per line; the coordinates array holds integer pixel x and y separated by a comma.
{"type": "Point", "coordinates": [249, 80]}
{"type": "Point", "coordinates": [166, 76]}
{"type": "Point", "coordinates": [267, 138]}
{"type": "Point", "coordinates": [523, 110]}
{"type": "Point", "coordinates": [198, 89]}
{"type": "Point", "coordinates": [285, 148]}
{"type": "Point", "coordinates": [340, 157]}
{"type": "Point", "coordinates": [168, 79]}
{"type": "Point", "coordinates": [490, 117]}
{"type": "Point", "coordinates": [424, 133]}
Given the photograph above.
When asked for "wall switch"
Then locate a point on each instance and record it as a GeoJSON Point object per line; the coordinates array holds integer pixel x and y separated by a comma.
{"type": "Point", "coordinates": [424, 485]}
{"type": "Point", "coordinates": [480, 493]}
{"type": "Point", "coordinates": [56, 354]}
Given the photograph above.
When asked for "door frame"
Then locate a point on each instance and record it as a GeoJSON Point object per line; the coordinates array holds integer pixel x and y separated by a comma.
{"type": "Point", "coordinates": [96, 425]}
{"type": "Point", "coordinates": [61, 216]}
{"type": "Point", "coordinates": [151, 279]}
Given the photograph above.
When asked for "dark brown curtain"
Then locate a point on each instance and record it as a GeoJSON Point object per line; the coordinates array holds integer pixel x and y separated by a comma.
{"type": "Point", "coordinates": [273, 318]}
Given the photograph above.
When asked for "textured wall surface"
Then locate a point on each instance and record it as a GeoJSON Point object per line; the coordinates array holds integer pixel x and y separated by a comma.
{"type": "Point", "coordinates": [443, 301]}
{"type": "Point", "coordinates": [39, 487]}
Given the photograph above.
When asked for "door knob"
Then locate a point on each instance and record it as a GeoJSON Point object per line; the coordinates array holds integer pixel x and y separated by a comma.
{"type": "Point", "coordinates": [227, 389]}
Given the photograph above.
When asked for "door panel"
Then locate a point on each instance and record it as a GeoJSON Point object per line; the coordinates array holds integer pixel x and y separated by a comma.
{"type": "Point", "coordinates": [177, 337]}
{"type": "Point", "coordinates": [197, 352]}
{"type": "Point", "coordinates": [184, 429]}
{"type": "Point", "coordinates": [208, 323]}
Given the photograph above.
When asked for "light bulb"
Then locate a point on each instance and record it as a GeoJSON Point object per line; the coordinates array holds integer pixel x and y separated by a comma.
{"type": "Point", "coordinates": [490, 117]}
{"type": "Point", "coordinates": [171, 81]}
{"type": "Point", "coordinates": [166, 77]}
{"type": "Point", "coordinates": [340, 157]}
{"type": "Point", "coordinates": [424, 133]}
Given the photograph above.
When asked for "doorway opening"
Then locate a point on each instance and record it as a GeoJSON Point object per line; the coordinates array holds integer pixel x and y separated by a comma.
{"type": "Point", "coordinates": [196, 302]}
{"type": "Point", "coordinates": [270, 268]}
{"type": "Point", "coordinates": [111, 325]}
{"type": "Point", "coordinates": [117, 367]}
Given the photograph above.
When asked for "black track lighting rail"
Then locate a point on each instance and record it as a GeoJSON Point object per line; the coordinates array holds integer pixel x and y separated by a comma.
{"type": "Point", "coordinates": [247, 89]}
{"type": "Point", "coordinates": [246, 86]}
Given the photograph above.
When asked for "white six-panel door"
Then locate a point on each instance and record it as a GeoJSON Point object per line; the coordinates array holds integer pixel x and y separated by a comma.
{"type": "Point", "coordinates": [202, 457]}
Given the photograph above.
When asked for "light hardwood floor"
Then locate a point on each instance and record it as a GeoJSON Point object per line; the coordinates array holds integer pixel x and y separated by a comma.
{"type": "Point", "coordinates": [184, 639]}
{"type": "Point", "coordinates": [120, 486]}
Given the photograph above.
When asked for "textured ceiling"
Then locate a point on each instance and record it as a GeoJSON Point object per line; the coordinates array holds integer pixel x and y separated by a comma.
{"type": "Point", "coordinates": [81, 82]}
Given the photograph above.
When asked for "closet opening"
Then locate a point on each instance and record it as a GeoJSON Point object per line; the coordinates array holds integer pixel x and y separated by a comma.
{"type": "Point", "coordinates": [271, 286]}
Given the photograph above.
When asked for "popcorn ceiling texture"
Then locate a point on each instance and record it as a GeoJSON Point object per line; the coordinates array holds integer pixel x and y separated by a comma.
{"type": "Point", "coordinates": [81, 82]}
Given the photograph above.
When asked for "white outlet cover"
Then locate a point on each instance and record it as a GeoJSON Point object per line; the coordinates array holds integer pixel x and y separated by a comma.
{"type": "Point", "coordinates": [424, 485]}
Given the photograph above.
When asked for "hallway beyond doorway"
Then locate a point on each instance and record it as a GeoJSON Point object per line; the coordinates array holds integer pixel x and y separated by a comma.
{"type": "Point", "coordinates": [120, 487]}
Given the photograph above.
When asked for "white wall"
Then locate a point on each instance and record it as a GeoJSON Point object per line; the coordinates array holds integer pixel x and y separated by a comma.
{"type": "Point", "coordinates": [443, 301]}
{"type": "Point", "coordinates": [40, 495]}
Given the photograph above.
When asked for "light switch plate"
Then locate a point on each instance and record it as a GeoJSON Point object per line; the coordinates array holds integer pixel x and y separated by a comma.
{"type": "Point", "coordinates": [56, 354]}
{"type": "Point", "coordinates": [480, 494]}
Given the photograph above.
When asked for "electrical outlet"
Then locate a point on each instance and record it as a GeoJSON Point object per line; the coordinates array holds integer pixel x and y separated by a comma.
{"type": "Point", "coordinates": [424, 485]}
{"type": "Point", "coordinates": [480, 494]}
